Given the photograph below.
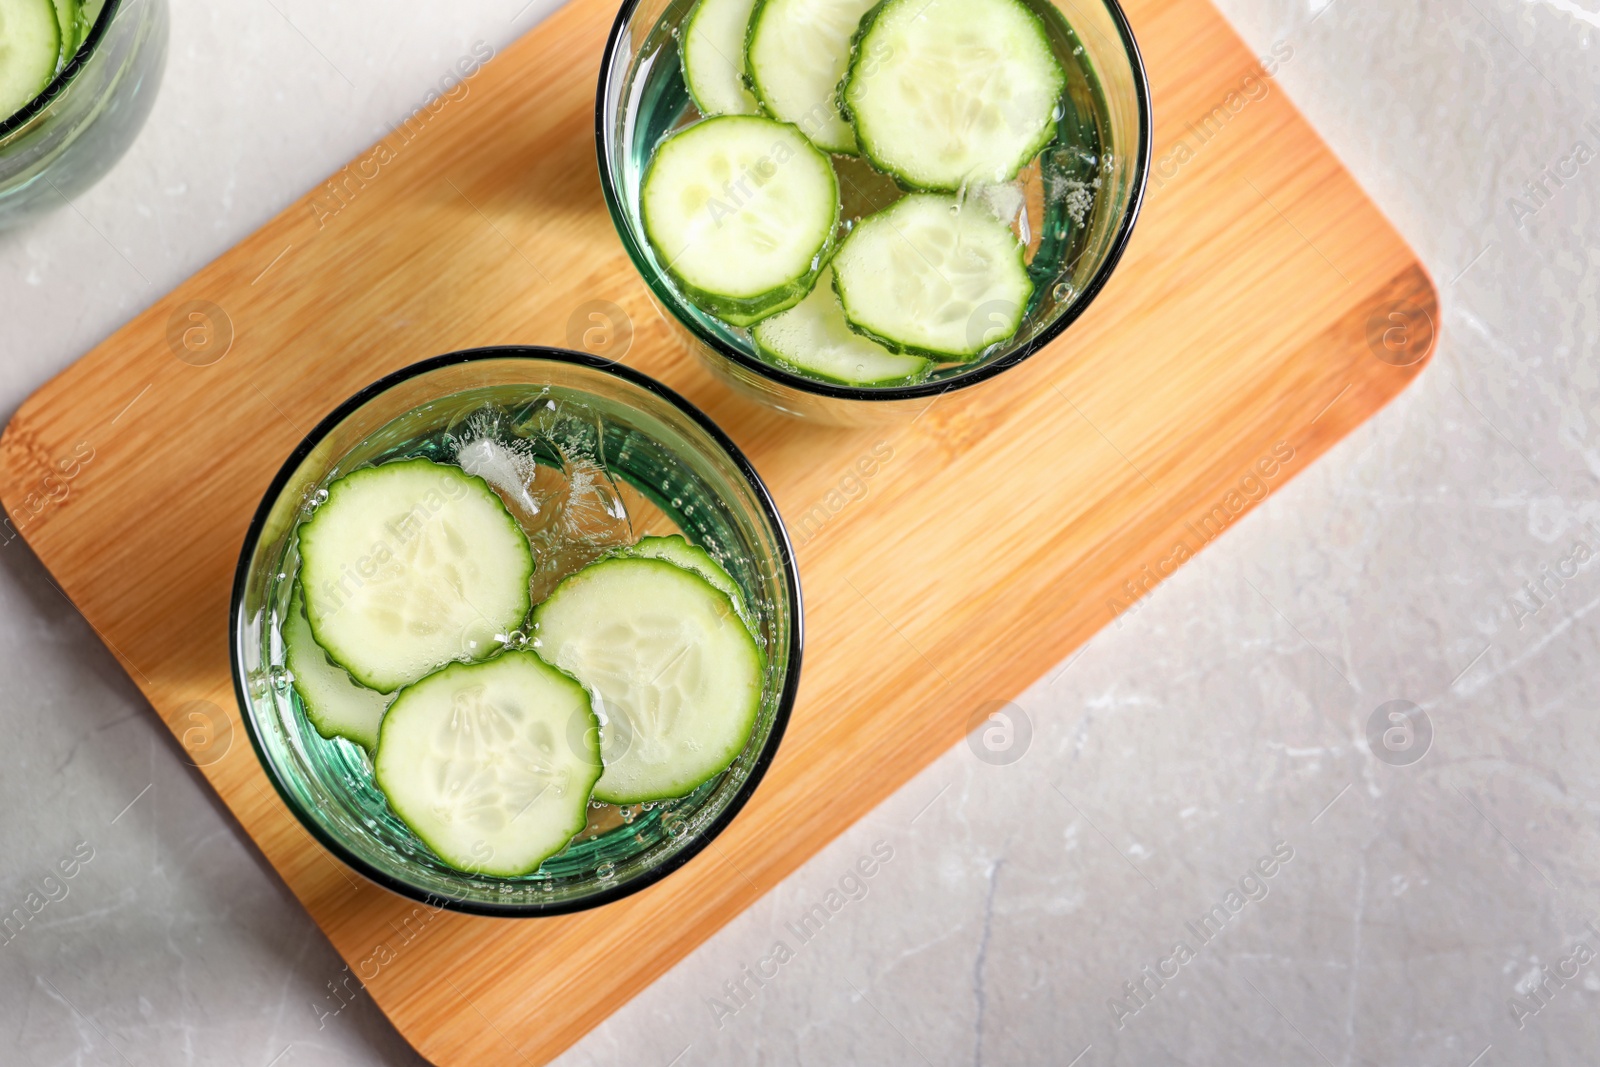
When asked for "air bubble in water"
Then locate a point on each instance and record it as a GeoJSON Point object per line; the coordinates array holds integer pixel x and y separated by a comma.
{"type": "Point", "coordinates": [606, 871]}
{"type": "Point", "coordinates": [1061, 292]}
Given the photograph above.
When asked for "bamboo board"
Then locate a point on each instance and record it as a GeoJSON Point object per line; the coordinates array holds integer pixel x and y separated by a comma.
{"type": "Point", "coordinates": [1263, 309]}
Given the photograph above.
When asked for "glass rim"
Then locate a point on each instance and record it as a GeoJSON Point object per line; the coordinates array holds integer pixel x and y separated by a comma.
{"type": "Point", "coordinates": [786, 696]}
{"type": "Point", "coordinates": [58, 84]}
{"type": "Point", "coordinates": [962, 379]}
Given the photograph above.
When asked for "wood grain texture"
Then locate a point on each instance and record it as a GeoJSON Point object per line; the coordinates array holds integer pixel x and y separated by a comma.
{"type": "Point", "coordinates": [1008, 524]}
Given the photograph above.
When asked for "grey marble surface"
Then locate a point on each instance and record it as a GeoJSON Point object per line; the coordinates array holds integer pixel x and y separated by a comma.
{"type": "Point", "coordinates": [1228, 717]}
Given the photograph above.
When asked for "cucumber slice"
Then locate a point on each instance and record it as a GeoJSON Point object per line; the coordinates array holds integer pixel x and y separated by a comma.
{"type": "Point", "coordinates": [335, 703]}
{"type": "Point", "coordinates": [713, 57]}
{"type": "Point", "coordinates": [491, 763]}
{"type": "Point", "coordinates": [30, 52]}
{"type": "Point", "coordinates": [796, 54]}
{"type": "Point", "coordinates": [88, 15]}
{"type": "Point", "coordinates": [676, 550]}
{"type": "Point", "coordinates": [742, 211]}
{"type": "Point", "coordinates": [676, 677]}
{"type": "Point", "coordinates": [410, 565]}
{"type": "Point", "coordinates": [68, 13]}
{"type": "Point", "coordinates": [933, 275]}
{"type": "Point", "coordinates": [946, 92]}
{"type": "Point", "coordinates": [814, 336]}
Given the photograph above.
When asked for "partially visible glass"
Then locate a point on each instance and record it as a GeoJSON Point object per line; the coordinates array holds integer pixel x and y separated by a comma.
{"type": "Point", "coordinates": [1082, 197]}
{"type": "Point", "coordinates": [66, 139]}
{"type": "Point", "coordinates": [679, 471]}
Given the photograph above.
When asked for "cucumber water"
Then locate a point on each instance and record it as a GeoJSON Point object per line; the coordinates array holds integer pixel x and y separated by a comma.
{"type": "Point", "coordinates": [30, 51]}
{"type": "Point", "coordinates": [991, 102]}
{"type": "Point", "coordinates": [523, 636]}
{"type": "Point", "coordinates": [38, 38]}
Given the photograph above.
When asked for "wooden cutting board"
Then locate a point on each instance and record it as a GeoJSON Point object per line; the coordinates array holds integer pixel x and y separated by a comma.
{"type": "Point", "coordinates": [1264, 309]}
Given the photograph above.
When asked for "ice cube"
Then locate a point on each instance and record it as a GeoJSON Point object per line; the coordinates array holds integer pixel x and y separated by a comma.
{"type": "Point", "coordinates": [505, 469]}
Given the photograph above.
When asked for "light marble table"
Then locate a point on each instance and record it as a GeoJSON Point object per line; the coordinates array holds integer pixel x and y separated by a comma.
{"type": "Point", "coordinates": [1422, 900]}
